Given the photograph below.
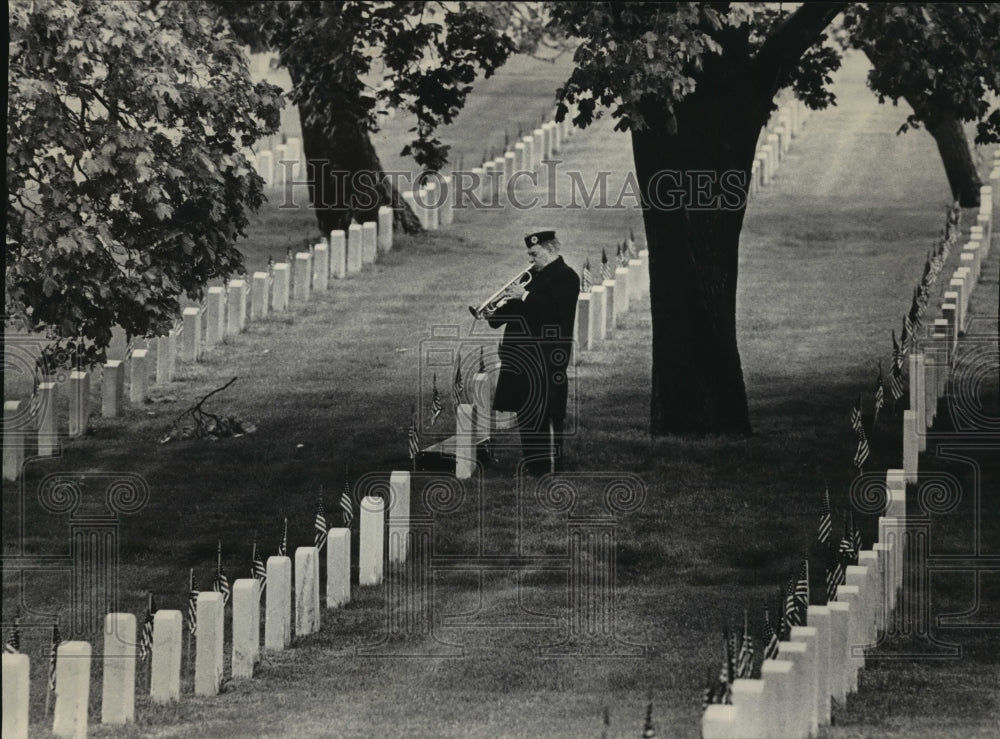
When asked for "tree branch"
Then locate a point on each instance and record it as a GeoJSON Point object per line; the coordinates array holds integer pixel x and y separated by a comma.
{"type": "Point", "coordinates": [783, 48]}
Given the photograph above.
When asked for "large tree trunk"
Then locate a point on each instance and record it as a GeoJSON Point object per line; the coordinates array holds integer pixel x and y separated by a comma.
{"type": "Point", "coordinates": [346, 179]}
{"type": "Point", "coordinates": [953, 145]}
{"type": "Point", "coordinates": [697, 383]}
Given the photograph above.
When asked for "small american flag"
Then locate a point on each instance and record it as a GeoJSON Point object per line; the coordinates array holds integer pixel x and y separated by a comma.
{"type": "Point", "coordinates": [896, 374]}
{"type": "Point", "coordinates": [606, 273]}
{"type": "Point", "coordinates": [879, 393]}
{"type": "Point", "coordinates": [146, 638]}
{"type": "Point", "coordinates": [53, 652]}
{"type": "Point", "coordinates": [863, 450]}
{"type": "Point", "coordinates": [320, 522]}
{"type": "Point", "coordinates": [906, 337]}
{"type": "Point", "coordinates": [257, 567]}
{"type": "Point", "coordinates": [436, 405]}
{"type": "Point", "coordinates": [856, 540]}
{"type": "Point", "coordinates": [825, 522]}
{"type": "Point", "coordinates": [12, 644]}
{"type": "Point", "coordinates": [802, 592]}
{"type": "Point", "coordinates": [834, 575]}
{"type": "Point", "coordinates": [192, 609]}
{"type": "Point", "coordinates": [458, 386]}
{"type": "Point", "coordinates": [221, 584]}
{"type": "Point", "coordinates": [622, 256]}
{"type": "Point", "coordinates": [587, 280]}
{"type": "Point", "coordinates": [856, 415]}
{"type": "Point", "coordinates": [770, 638]}
{"type": "Point", "coordinates": [744, 664]}
{"type": "Point", "coordinates": [346, 504]}
{"type": "Point", "coordinates": [283, 542]}
{"type": "Point", "coordinates": [791, 612]}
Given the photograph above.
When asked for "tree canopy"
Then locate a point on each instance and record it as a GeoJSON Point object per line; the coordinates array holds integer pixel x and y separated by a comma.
{"type": "Point", "coordinates": [127, 186]}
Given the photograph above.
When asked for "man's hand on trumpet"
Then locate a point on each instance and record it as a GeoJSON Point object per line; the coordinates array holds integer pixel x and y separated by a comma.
{"type": "Point", "coordinates": [515, 292]}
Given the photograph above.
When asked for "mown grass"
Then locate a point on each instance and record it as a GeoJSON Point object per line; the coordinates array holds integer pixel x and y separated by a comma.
{"type": "Point", "coordinates": [724, 520]}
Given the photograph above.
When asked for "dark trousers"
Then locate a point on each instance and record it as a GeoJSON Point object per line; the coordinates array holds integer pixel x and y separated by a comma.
{"type": "Point", "coordinates": [542, 443]}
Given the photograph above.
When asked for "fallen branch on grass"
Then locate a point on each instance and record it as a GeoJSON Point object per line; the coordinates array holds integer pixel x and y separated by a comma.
{"type": "Point", "coordinates": [207, 425]}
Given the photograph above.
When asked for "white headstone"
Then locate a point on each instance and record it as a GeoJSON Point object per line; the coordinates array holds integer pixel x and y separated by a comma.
{"type": "Point", "coordinates": [355, 248]}
{"type": "Point", "coordinates": [530, 162]}
{"type": "Point", "coordinates": [850, 595]}
{"type": "Point", "coordinates": [779, 695]}
{"type": "Point", "coordinates": [278, 606]}
{"type": "Point", "coordinates": [369, 242]}
{"type": "Point", "coordinates": [839, 617]}
{"type": "Point", "coordinates": [818, 617]}
{"type": "Point", "coordinates": [598, 313]}
{"type": "Point", "coordinates": [338, 254]}
{"type": "Point", "coordinates": [584, 331]}
{"type": "Point", "coordinates": [72, 690]}
{"type": "Point", "coordinates": [302, 282]}
{"type": "Point", "coordinates": [164, 360]}
{"type": "Point", "coordinates": [895, 488]}
{"type": "Point", "coordinates": [112, 388]}
{"type": "Point", "coordinates": [465, 444]}
{"type": "Point", "coordinates": [192, 334]}
{"type": "Point", "coordinates": [237, 306]}
{"type": "Point", "coordinates": [872, 592]}
{"type": "Point", "coordinates": [399, 516]}
{"type": "Point", "coordinates": [609, 305]}
{"type": "Point", "coordinates": [306, 591]}
{"type": "Point", "coordinates": [282, 283]}
{"type": "Point", "coordinates": [857, 576]}
{"type": "Point", "coordinates": [259, 300]}
{"type": "Point", "coordinates": [140, 375]}
{"type": "Point", "coordinates": [634, 280]}
{"type": "Point", "coordinates": [749, 709]}
{"type": "Point", "coordinates": [210, 643]}
{"type": "Point", "coordinates": [370, 563]}
{"type": "Point", "coordinates": [622, 278]}
{"type": "Point", "coordinates": [215, 305]}
{"type": "Point", "coordinates": [321, 267]}
{"type": "Point", "coordinates": [16, 695]}
{"type": "Point", "coordinates": [338, 567]}
{"type": "Point", "coordinates": [911, 446]}
{"type": "Point", "coordinates": [809, 636]}
{"type": "Point", "coordinates": [168, 645]}
{"type": "Point", "coordinates": [47, 435]}
{"type": "Point", "coordinates": [892, 531]}
{"type": "Point", "coordinates": [430, 198]}
{"type": "Point", "coordinates": [118, 690]}
{"type": "Point", "coordinates": [385, 216]}
{"type": "Point", "coordinates": [717, 721]}
{"type": "Point", "coordinates": [265, 167]}
{"type": "Point", "coordinates": [804, 660]}
{"type": "Point", "coordinates": [481, 393]}
{"type": "Point", "coordinates": [13, 440]}
{"type": "Point", "coordinates": [246, 626]}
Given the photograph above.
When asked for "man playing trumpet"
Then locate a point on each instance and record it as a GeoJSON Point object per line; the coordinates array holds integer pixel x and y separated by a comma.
{"type": "Point", "coordinates": [538, 318]}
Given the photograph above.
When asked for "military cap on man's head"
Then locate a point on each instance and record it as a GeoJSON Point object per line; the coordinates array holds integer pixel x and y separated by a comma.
{"type": "Point", "coordinates": [539, 237]}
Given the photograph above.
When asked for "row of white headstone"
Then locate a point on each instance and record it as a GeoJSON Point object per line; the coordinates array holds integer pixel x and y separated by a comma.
{"type": "Point", "coordinates": [602, 310]}
{"type": "Point", "coordinates": [792, 698]}
{"type": "Point", "coordinates": [931, 360]}
{"type": "Point", "coordinates": [774, 142]}
{"type": "Point", "coordinates": [224, 314]}
{"type": "Point", "coordinates": [73, 658]}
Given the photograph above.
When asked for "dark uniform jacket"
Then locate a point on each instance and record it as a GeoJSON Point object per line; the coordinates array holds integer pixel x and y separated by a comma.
{"type": "Point", "coordinates": [536, 345]}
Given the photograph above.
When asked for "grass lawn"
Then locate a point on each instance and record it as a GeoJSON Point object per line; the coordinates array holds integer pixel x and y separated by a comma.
{"type": "Point", "coordinates": [830, 254]}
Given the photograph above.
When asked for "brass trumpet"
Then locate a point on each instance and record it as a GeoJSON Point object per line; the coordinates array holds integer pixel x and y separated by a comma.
{"type": "Point", "coordinates": [497, 299]}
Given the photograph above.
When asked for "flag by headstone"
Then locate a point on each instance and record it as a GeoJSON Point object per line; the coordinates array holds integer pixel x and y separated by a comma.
{"type": "Point", "coordinates": [856, 414]}
{"type": "Point", "coordinates": [770, 638]}
{"type": "Point", "coordinates": [790, 617]}
{"type": "Point", "coordinates": [802, 593]}
{"type": "Point", "coordinates": [146, 637]}
{"type": "Point", "coordinates": [53, 651]}
{"type": "Point", "coordinates": [346, 503]}
{"type": "Point", "coordinates": [221, 584]}
{"type": "Point", "coordinates": [413, 440]}
{"type": "Point", "coordinates": [319, 523]}
{"type": "Point", "coordinates": [834, 574]}
{"type": "Point", "coordinates": [879, 394]}
{"type": "Point", "coordinates": [12, 644]}
{"type": "Point", "coordinates": [586, 280]}
{"type": "Point", "coordinates": [906, 337]}
{"type": "Point", "coordinates": [257, 568]}
{"type": "Point", "coordinates": [863, 450]}
{"type": "Point", "coordinates": [744, 664]}
{"type": "Point", "coordinates": [630, 245]}
{"type": "Point", "coordinates": [436, 405]}
{"type": "Point", "coordinates": [896, 374]}
{"type": "Point", "coordinates": [846, 550]}
{"type": "Point", "coordinates": [648, 730]}
{"type": "Point", "coordinates": [458, 386]}
{"type": "Point", "coordinates": [283, 542]}
{"type": "Point", "coordinates": [192, 609]}
{"type": "Point", "coordinates": [825, 522]}
{"type": "Point", "coordinates": [857, 542]}
{"type": "Point", "coordinates": [606, 273]}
